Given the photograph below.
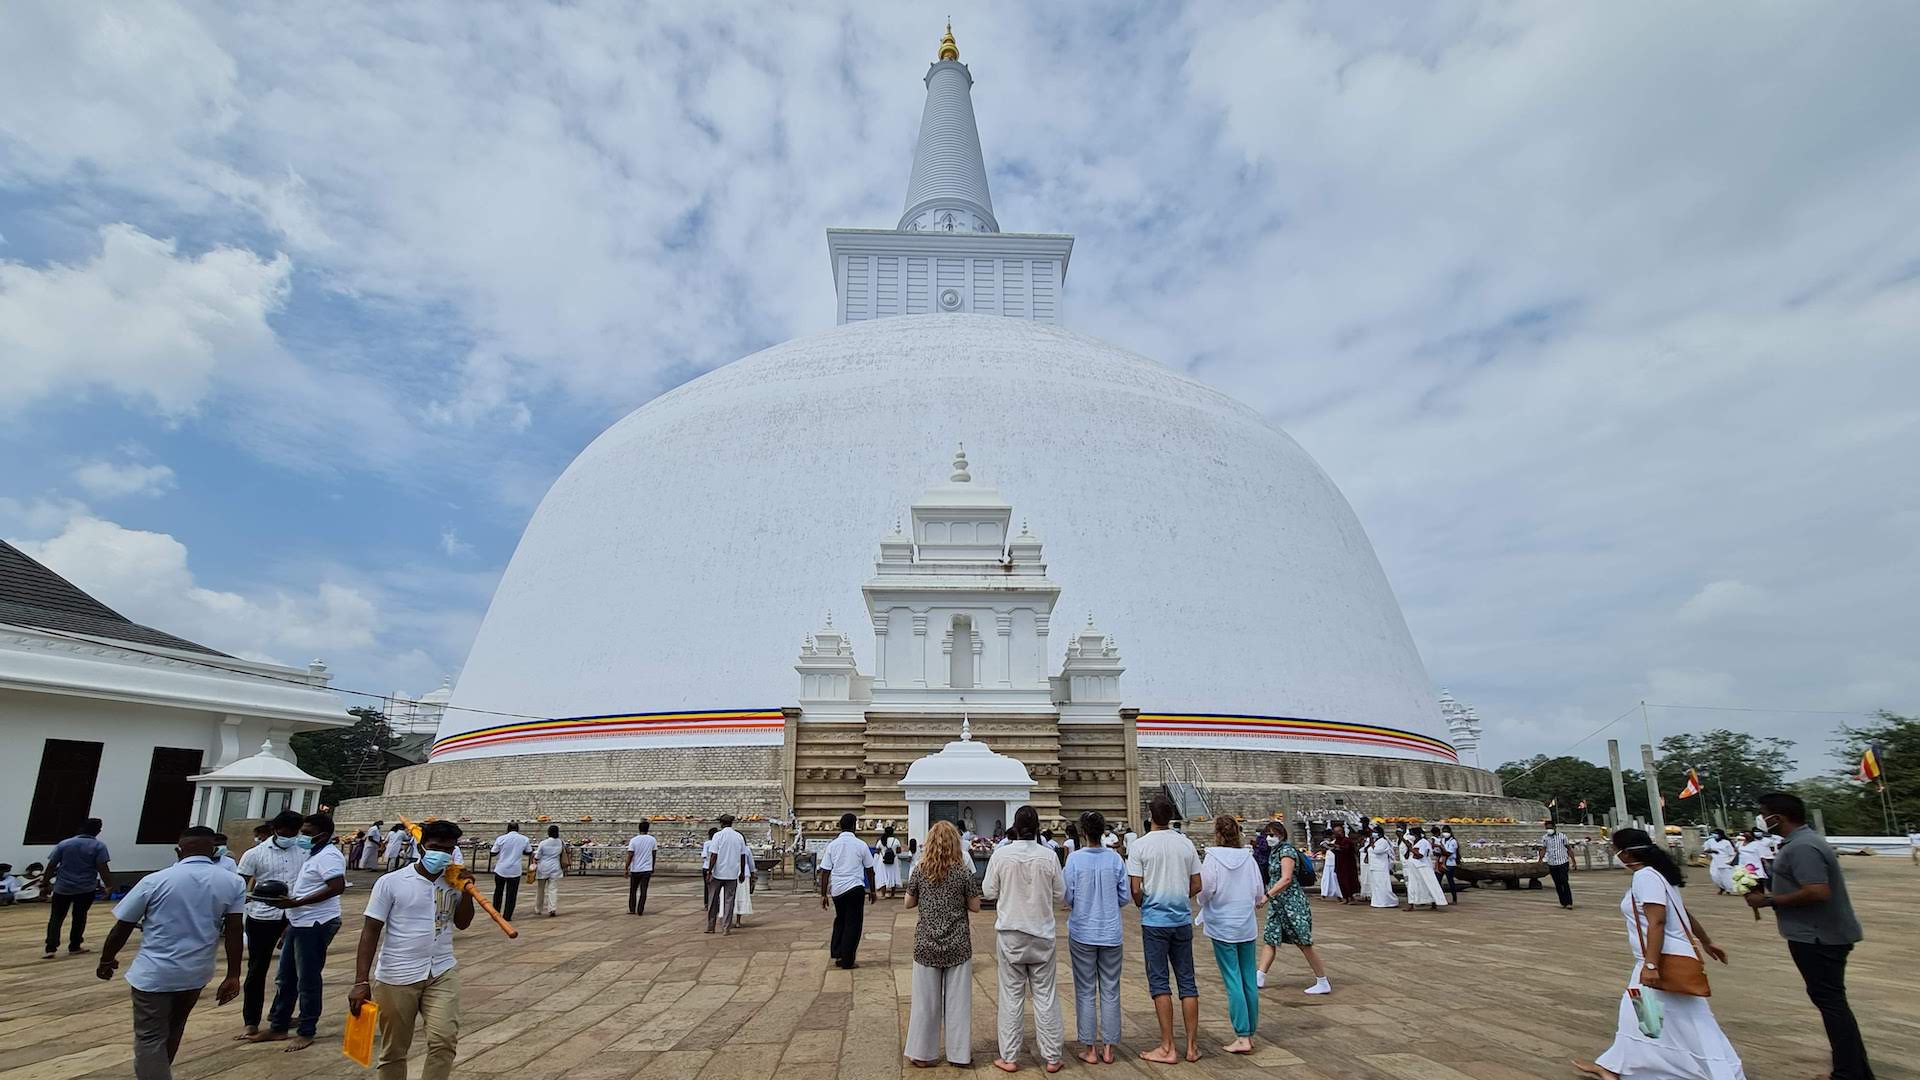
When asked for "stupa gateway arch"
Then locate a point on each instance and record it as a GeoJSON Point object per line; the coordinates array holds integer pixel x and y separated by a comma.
{"type": "Point", "coordinates": [1206, 609]}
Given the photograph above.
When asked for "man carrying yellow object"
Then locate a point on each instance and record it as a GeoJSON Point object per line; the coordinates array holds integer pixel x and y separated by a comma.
{"type": "Point", "coordinates": [415, 981]}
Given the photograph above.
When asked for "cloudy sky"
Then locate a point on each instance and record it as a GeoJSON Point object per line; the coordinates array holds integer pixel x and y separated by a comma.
{"type": "Point", "coordinates": [1606, 319]}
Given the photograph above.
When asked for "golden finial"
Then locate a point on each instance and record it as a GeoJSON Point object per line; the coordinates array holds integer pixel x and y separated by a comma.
{"type": "Point", "coordinates": [949, 49]}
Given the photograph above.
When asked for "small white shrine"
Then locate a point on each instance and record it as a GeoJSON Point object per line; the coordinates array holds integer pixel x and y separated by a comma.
{"type": "Point", "coordinates": [256, 787]}
{"type": "Point", "coordinates": [967, 784]}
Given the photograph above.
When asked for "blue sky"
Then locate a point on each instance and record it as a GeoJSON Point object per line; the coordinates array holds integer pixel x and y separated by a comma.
{"type": "Point", "coordinates": [1607, 321]}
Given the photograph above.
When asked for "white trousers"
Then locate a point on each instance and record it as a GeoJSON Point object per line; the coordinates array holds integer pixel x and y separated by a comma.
{"type": "Point", "coordinates": [942, 1005]}
{"type": "Point", "coordinates": [546, 899]}
{"type": "Point", "coordinates": [1026, 970]}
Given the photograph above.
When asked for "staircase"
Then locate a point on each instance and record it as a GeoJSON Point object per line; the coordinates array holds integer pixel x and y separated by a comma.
{"type": "Point", "coordinates": [1182, 782]}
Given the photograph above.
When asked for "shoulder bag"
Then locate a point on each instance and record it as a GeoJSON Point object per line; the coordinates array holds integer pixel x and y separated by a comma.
{"type": "Point", "coordinates": [1677, 973]}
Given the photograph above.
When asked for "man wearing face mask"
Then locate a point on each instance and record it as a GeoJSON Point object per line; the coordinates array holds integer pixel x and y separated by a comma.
{"type": "Point", "coordinates": [313, 917]}
{"type": "Point", "coordinates": [273, 857]}
{"type": "Point", "coordinates": [415, 982]}
{"type": "Point", "coordinates": [184, 913]}
{"type": "Point", "coordinates": [1816, 917]}
{"type": "Point", "coordinates": [1553, 848]}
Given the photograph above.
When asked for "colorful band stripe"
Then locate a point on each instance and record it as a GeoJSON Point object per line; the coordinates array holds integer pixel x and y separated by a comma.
{"type": "Point", "coordinates": [732, 721]}
{"type": "Point", "coordinates": [1286, 727]}
{"type": "Point", "coordinates": [674, 723]}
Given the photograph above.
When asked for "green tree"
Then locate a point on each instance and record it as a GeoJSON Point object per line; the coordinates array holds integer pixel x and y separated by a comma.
{"type": "Point", "coordinates": [1734, 767]}
{"type": "Point", "coordinates": [1897, 739]}
{"type": "Point", "coordinates": [1566, 781]}
{"type": "Point", "coordinates": [351, 759]}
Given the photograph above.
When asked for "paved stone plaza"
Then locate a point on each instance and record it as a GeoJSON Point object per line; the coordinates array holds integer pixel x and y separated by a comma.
{"type": "Point", "coordinates": [1505, 986]}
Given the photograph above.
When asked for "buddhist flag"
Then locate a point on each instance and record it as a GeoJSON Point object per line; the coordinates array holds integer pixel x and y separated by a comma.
{"type": "Point", "coordinates": [1693, 785]}
{"type": "Point", "coordinates": [1870, 764]}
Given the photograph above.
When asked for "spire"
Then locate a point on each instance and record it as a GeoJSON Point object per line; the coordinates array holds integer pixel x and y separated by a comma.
{"type": "Point", "coordinates": [948, 191]}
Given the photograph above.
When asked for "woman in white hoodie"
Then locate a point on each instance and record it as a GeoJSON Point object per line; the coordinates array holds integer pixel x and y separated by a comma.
{"type": "Point", "coordinates": [1230, 897]}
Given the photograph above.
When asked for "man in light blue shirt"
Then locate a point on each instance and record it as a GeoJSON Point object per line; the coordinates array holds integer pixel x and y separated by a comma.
{"type": "Point", "coordinates": [183, 913]}
{"type": "Point", "coordinates": [77, 871]}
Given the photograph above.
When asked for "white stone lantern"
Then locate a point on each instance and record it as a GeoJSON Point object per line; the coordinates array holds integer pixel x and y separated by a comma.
{"type": "Point", "coordinates": [964, 778]}
{"type": "Point", "coordinates": [253, 788]}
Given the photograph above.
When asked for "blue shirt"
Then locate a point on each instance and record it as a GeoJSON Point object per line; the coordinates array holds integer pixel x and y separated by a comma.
{"type": "Point", "coordinates": [182, 912]}
{"type": "Point", "coordinates": [75, 864]}
{"type": "Point", "coordinates": [1096, 891]}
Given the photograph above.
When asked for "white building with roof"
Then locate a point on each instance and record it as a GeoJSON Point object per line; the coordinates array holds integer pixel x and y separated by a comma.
{"type": "Point", "coordinates": [107, 718]}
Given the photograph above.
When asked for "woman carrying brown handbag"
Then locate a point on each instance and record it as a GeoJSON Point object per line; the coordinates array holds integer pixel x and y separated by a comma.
{"type": "Point", "coordinates": [1666, 1027]}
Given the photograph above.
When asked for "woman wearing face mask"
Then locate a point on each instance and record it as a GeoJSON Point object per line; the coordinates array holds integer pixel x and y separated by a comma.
{"type": "Point", "coordinates": [1690, 1044]}
{"type": "Point", "coordinates": [273, 857]}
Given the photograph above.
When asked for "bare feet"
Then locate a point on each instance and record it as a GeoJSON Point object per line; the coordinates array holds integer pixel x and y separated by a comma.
{"type": "Point", "coordinates": [1106, 1055]}
{"type": "Point", "coordinates": [1162, 1054]}
{"type": "Point", "coordinates": [1055, 1066]}
{"type": "Point", "coordinates": [1588, 1068]}
{"type": "Point", "coordinates": [918, 1064]}
{"type": "Point", "coordinates": [1241, 1045]}
{"type": "Point", "coordinates": [247, 1035]}
{"type": "Point", "coordinates": [298, 1043]}
{"type": "Point", "coordinates": [1089, 1055]}
{"type": "Point", "coordinates": [267, 1036]}
{"type": "Point", "coordinates": [1005, 1066]}
{"type": "Point", "coordinates": [1193, 1050]}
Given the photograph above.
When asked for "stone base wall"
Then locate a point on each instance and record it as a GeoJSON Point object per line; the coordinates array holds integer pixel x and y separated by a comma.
{"type": "Point", "coordinates": [611, 787]}
{"type": "Point", "coordinates": [1258, 784]}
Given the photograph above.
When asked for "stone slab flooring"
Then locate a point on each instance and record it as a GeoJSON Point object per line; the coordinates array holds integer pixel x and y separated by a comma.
{"type": "Point", "coordinates": [1505, 986]}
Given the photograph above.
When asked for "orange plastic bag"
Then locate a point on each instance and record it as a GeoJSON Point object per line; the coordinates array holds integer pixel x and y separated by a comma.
{"type": "Point", "coordinates": [357, 1041]}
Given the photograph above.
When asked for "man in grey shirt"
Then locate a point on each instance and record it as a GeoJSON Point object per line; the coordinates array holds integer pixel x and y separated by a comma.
{"type": "Point", "coordinates": [1810, 902]}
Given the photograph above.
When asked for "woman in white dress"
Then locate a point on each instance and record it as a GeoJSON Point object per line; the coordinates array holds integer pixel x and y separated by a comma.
{"type": "Point", "coordinates": [1380, 870]}
{"type": "Point", "coordinates": [1752, 852]}
{"type": "Point", "coordinates": [1329, 881]}
{"type": "Point", "coordinates": [1690, 1045]}
{"type": "Point", "coordinates": [1416, 862]}
{"type": "Point", "coordinates": [1719, 851]}
{"type": "Point", "coordinates": [886, 864]}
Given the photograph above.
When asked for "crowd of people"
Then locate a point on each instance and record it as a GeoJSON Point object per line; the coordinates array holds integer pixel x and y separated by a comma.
{"type": "Point", "coordinates": [282, 898]}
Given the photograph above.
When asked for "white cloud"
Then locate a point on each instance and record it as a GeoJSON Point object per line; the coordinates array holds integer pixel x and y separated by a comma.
{"type": "Point", "coordinates": [145, 576]}
{"type": "Point", "coordinates": [1723, 599]}
{"type": "Point", "coordinates": [451, 543]}
{"type": "Point", "coordinates": [1579, 310]}
{"type": "Point", "coordinates": [106, 480]}
{"type": "Point", "coordinates": [139, 320]}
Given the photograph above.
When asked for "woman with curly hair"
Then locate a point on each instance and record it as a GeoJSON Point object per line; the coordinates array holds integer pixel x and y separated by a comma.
{"type": "Point", "coordinates": [1289, 917]}
{"type": "Point", "coordinates": [943, 889]}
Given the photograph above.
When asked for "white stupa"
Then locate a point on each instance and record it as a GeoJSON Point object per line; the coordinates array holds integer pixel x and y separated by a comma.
{"type": "Point", "coordinates": [655, 600]}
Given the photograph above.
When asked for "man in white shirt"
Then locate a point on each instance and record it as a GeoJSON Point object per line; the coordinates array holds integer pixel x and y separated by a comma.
{"type": "Point", "coordinates": [640, 852]}
{"type": "Point", "coordinates": [846, 878]}
{"type": "Point", "coordinates": [727, 863]}
{"type": "Point", "coordinates": [183, 913]}
{"type": "Point", "coordinates": [547, 872]}
{"type": "Point", "coordinates": [313, 918]}
{"type": "Point", "coordinates": [416, 981]}
{"type": "Point", "coordinates": [1023, 880]}
{"type": "Point", "coordinates": [1163, 873]}
{"type": "Point", "coordinates": [273, 857]}
{"type": "Point", "coordinates": [1913, 841]}
{"type": "Point", "coordinates": [509, 862]}
{"type": "Point", "coordinates": [1553, 849]}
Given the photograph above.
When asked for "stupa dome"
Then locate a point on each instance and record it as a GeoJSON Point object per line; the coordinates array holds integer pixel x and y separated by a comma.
{"type": "Point", "coordinates": [675, 565]}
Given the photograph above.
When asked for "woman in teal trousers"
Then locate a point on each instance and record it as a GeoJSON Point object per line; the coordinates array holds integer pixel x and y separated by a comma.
{"type": "Point", "coordinates": [1230, 897]}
